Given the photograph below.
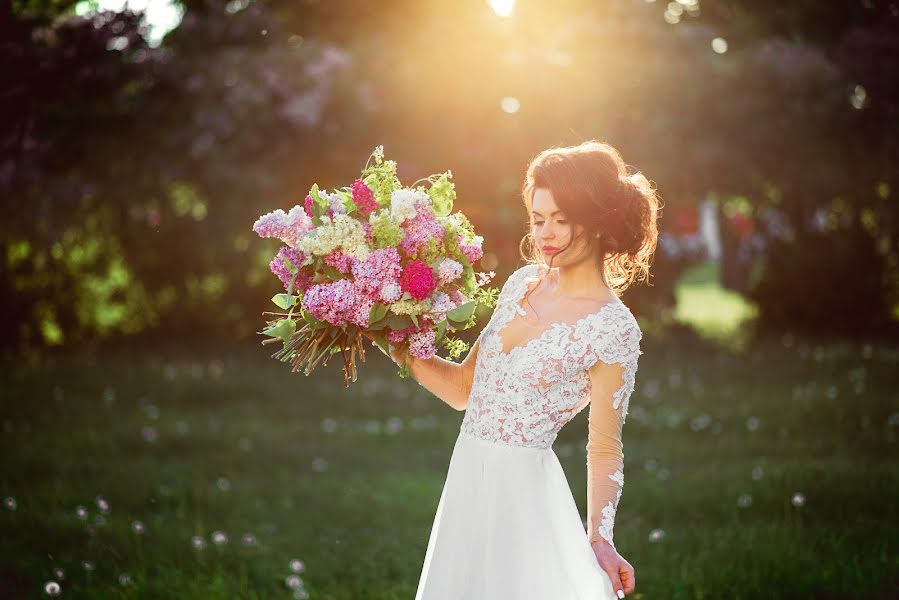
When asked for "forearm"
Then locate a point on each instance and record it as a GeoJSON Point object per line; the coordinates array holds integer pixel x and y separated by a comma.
{"type": "Point", "coordinates": [605, 483]}
{"type": "Point", "coordinates": [446, 379]}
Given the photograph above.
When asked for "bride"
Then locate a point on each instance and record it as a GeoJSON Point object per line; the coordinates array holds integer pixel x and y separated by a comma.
{"type": "Point", "coordinates": [507, 526]}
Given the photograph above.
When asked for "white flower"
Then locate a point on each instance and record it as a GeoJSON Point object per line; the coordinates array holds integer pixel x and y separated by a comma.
{"type": "Point", "coordinates": [402, 203]}
{"type": "Point", "coordinates": [342, 231]}
{"type": "Point", "coordinates": [336, 203]}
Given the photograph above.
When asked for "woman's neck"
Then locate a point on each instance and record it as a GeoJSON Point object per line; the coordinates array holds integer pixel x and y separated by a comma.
{"type": "Point", "coordinates": [581, 280]}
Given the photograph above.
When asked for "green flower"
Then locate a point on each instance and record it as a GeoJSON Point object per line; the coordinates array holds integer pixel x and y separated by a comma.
{"type": "Point", "coordinates": [384, 228]}
{"type": "Point", "coordinates": [443, 194]}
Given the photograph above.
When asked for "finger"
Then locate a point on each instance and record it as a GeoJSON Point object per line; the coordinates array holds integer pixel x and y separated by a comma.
{"type": "Point", "coordinates": [616, 582]}
{"type": "Point", "coordinates": [627, 578]}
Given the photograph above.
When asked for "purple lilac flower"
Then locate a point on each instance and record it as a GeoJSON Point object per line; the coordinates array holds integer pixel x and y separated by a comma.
{"type": "Point", "coordinates": [449, 270]}
{"type": "Point", "coordinates": [421, 343]}
{"type": "Point", "coordinates": [332, 302]}
{"type": "Point", "coordinates": [391, 292]}
{"type": "Point", "coordinates": [288, 227]}
{"type": "Point", "coordinates": [382, 265]}
{"type": "Point", "coordinates": [339, 260]}
{"type": "Point", "coordinates": [420, 229]}
{"type": "Point", "coordinates": [280, 268]}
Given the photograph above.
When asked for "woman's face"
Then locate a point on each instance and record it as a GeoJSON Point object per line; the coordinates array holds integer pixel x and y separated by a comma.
{"type": "Point", "coordinates": [553, 232]}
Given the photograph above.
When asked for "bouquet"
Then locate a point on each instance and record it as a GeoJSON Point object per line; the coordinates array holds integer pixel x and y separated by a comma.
{"type": "Point", "coordinates": [374, 259]}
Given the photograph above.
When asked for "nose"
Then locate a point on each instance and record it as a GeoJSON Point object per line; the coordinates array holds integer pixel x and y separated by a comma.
{"type": "Point", "coordinates": [546, 233]}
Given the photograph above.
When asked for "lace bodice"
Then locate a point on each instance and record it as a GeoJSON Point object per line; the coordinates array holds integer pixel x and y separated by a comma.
{"type": "Point", "coordinates": [523, 397]}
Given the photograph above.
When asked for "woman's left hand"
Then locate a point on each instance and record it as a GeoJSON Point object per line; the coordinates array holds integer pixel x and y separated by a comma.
{"type": "Point", "coordinates": [620, 572]}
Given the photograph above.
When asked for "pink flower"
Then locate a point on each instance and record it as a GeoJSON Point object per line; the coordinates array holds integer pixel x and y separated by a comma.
{"type": "Point", "coordinates": [398, 336]}
{"type": "Point", "coordinates": [420, 229]}
{"type": "Point", "coordinates": [381, 266]}
{"type": "Point", "coordinates": [449, 270]}
{"type": "Point", "coordinates": [339, 260]}
{"type": "Point", "coordinates": [307, 205]}
{"type": "Point", "coordinates": [364, 197]}
{"type": "Point", "coordinates": [288, 227]}
{"type": "Point", "coordinates": [421, 343]}
{"type": "Point", "coordinates": [391, 292]}
{"type": "Point", "coordinates": [418, 279]}
{"type": "Point", "coordinates": [362, 309]}
{"type": "Point", "coordinates": [471, 252]}
{"type": "Point", "coordinates": [279, 266]}
{"type": "Point", "coordinates": [333, 302]}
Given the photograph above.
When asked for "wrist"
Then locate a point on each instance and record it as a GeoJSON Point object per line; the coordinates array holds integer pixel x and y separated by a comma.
{"type": "Point", "coordinates": [601, 542]}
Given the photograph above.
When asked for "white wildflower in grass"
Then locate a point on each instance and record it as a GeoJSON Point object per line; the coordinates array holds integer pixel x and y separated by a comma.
{"type": "Point", "coordinates": [248, 539]}
{"type": "Point", "coordinates": [197, 542]}
{"type": "Point", "coordinates": [223, 484]}
{"type": "Point", "coordinates": [656, 535]}
{"type": "Point", "coordinates": [51, 588]}
{"type": "Point", "coordinates": [393, 425]}
{"type": "Point", "coordinates": [343, 232]}
{"type": "Point", "coordinates": [137, 527]}
{"type": "Point", "coordinates": [103, 504]}
{"type": "Point", "coordinates": [297, 566]}
{"type": "Point", "coordinates": [293, 581]}
{"type": "Point", "coordinates": [10, 503]}
{"type": "Point", "coordinates": [124, 579]}
{"type": "Point", "coordinates": [757, 473]}
{"type": "Point", "coordinates": [59, 573]}
{"type": "Point", "coordinates": [148, 433]}
{"type": "Point", "coordinates": [798, 499]}
{"type": "Point", "coordinates": [219, 538]}
{"type": "Point", "coordinates": [744, 500]}
{"type": "Point", "coordinates": [87, 565]}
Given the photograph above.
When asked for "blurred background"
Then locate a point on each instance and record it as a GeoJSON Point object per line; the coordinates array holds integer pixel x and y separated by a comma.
{"type": "Point", "coordinates": [150, 446]}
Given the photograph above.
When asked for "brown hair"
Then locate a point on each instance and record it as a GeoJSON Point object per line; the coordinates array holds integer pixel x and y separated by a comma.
{"type": "Point", "coordinates": [591, 186]}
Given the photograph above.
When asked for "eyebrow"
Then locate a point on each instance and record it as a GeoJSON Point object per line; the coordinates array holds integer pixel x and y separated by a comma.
{"type": "Point", "coordinates": [555, 212]}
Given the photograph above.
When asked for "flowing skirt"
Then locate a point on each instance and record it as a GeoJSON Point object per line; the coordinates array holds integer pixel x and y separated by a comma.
{"type": "Point", "coordinates": [507, 528]}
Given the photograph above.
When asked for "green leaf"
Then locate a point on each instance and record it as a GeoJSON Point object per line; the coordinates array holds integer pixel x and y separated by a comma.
{"type": "Point", "coordinates": [284, 301]}
{"type": "Point", "coordinates": [312, 321]}
{"type": "Point", "coordinates": [378, 311]}
{"type": "Point", "coordinates": [282, 329]}
{"type": "Point", "coordinates": [441, 331]}
{"type": "Point", "coordinates": [462, 313]}
{"type": "Point", "coordinates": [414, 320]}
{"type": "Point", "coordinates": [399, 321]}
{"type": "Point", "coordinates": [332, 272]}
{"type": "Point", "coordinates": [380, 338]}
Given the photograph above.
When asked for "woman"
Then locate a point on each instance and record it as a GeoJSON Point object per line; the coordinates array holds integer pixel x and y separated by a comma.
{"type": "Point", "coordinates": [507, 526]}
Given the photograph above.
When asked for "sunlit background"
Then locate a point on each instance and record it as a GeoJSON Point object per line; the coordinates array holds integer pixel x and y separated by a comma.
{"type": "Point", "coordinates": [150, 446]}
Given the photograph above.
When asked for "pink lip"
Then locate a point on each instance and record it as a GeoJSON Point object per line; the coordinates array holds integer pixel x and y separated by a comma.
{"type": "Point", "coordinates": [550, 250]}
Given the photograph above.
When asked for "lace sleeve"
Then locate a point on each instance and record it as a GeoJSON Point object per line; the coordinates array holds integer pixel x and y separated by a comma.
{"type": "Point", "coordinates": [612, 383]}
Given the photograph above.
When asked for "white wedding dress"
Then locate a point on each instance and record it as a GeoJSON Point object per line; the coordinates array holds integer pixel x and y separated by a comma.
{"type": "Point", "coordinates": [507, 526]}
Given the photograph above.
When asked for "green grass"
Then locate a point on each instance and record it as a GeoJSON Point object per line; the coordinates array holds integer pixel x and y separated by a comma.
{"type": "Point", "coordinates": [348, 481]}
{"type": "Point", "coordinates": [714, 312]}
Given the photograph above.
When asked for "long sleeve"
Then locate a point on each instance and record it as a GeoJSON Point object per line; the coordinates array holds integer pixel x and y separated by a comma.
{"type": "Point", "coordinates": [612, 382]}
{"type": "Point", "coordinates": [605, 453]}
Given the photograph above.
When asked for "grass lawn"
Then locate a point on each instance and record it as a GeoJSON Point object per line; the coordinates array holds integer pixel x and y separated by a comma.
{"type": "Point", "coordinates": [769, 472]}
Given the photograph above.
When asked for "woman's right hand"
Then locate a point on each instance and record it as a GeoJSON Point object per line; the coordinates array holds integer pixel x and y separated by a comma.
{"type": "Point", "coordinates": [398, 354]}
